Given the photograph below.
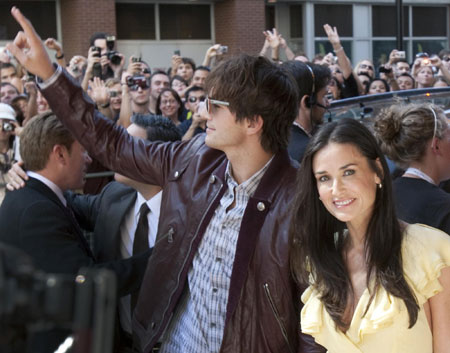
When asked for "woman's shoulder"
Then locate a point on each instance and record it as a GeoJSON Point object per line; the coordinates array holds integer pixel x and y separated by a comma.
{"type": "Point", "coordinates": [425, 252]}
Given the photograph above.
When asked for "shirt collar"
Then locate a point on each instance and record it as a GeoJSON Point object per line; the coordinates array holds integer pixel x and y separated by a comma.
{"type": "Point", "coordinates": [55, 188]}
{"type": "Point", "coordinates": [153, 204]}
{"type": "Point", "coordinates": [250, 185]}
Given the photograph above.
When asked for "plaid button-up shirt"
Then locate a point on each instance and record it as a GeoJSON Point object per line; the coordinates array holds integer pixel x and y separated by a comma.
{"type": "Point", "coordinates": [198, 323]}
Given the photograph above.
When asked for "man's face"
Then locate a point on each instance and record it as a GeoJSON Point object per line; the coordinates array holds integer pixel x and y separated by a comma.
{"type": "Point", "coordinates": [159, 82]}
{"type": "Point", "coordinates": [78, 162]}
{"type": "Point", "coordinates": [7, 94]}
{"type": "Point", "coordinates": [140, 96]}
{"type": "Point", "coordinates": [405, 82]}
{"type": "Point", "coordinates": [367, 67]}
{"type": "Point", "coordinates": [223, 132]}
{"type": "Point", "coordinates": [194, 99]}
{"type": "Point", "coordinates": [135, 131]}
{"type": "Point", "coordinates": [101, 43]}
{"type": "Point", "coordinates": [199, 78]}
{"type": "Point", "coordinates": [402, 68]}
{"type": "Point", "coordinates": [8, 74]}
{"type": "Point", "coordinates": [186, 71]}
{"type": "Point", "coordinates": [317, 111]}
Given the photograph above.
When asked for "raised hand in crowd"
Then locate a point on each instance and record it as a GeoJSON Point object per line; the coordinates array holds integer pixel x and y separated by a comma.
{"type": "Point", "coordinates": [211, 53]}
{"type": "Point", "coordinates": [134, 66]}
{"type": "Point", "coordinates": [92, 59]}
{"type": "Point", "coordinates": [32, 106]}
{"type": "Point", "coordinates": [118, 68]}
{"type": "Point", "coordinates": [77, 65]}
{"type": "Point", "coordinates": [273, 38]}
{"type": "Point", "coordinates": [199, 119]}
{"type": "Point", "coordinates": [53, 44]}
{"type": "Point", "coordinates": [177, 60]}
{"type": "Point", "coordinates": [100, 95]}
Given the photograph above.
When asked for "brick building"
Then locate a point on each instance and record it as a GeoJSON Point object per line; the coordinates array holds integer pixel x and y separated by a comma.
{"type": "Point", "coordinates": [153, 29]}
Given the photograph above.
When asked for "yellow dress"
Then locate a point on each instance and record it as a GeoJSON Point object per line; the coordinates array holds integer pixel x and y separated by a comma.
{"type": "Point", "coordinates": [384, 328]}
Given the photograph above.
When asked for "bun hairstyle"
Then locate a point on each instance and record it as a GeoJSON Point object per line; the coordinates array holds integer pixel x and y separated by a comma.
{"type": "Point", "coordinates": [404, 131]}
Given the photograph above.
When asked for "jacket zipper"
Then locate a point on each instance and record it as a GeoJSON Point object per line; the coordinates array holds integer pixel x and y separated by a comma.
{"type": "Point", "coordinates": [277, 316]}
{"type": "Point", "coordinates": [184, 263]}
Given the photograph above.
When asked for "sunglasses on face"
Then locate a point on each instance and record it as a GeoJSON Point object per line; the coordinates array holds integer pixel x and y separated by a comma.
{"type": "Point", "coordinates": [446, 58]}
{"type": "Point", "coordinates": [113, 94]}
{"type": "Point", "coordinates": [195, 99]}
{"type": "Point", "coordinates": [365, 66]}
{"type": "Point", "coordinates": [211, 102]}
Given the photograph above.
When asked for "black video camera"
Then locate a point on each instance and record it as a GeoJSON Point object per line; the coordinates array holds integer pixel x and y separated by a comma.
{"type": "Point", "coordinates": [134, 82]}
{"type": "Point", "coordinates": [112, 55]}
{"type": "Point", "coordinates": [35, 302]}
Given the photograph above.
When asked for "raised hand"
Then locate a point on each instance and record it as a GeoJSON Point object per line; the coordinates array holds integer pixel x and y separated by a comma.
{"type": "Point", "coordinates": [332, 34]}
{"type": "Point", "coordinates": [29, 49]}
{"type": "Point", "coordinates": [99, 92]}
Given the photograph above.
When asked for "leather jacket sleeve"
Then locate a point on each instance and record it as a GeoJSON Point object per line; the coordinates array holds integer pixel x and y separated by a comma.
{"type": "Point", "coordinates": [139, 159]}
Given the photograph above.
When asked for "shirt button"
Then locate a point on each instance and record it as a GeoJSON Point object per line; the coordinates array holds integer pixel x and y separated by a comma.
{"type": "Point", "coordinates": [212, 179]}
{"type": "Point", "coordinates": [214, 290]}
{"type": "Point", "coordinates": [153, 325]}
{"type": "Point", "coordinates": [218, 259]}
{"type": "Point", "coordinates": [213, 324]}
{"type": "Point", "coordinates": [260, 206]}
{"type": "Point", "coordinates": [176, 174]}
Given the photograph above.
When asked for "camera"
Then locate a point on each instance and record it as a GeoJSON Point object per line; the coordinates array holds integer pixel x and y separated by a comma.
{"type": "Point", "coordinates": [8, 127]}
{"type": "Point", "coordinates": [223, 49]}
{"type": "Point", "coordinates": [32, 301]}
{"type": "Point", "coordinates": [136, 59]}
{"type": "Point", "coordinates": [382, 69]}
{"type": "Point", "coordinates": [401, 55]}
{"type": "Point", "coordinates": [97, 67]}
{"type": "Point", "coordinates": [134, 82]}
{"type": "Point", "coordinates": [112, 55]}
{"type": "Point", "coordinates": [177, 52]}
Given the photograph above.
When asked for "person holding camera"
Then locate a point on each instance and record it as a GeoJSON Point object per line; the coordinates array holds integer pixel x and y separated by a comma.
{"type": "Point", "coordinates": [8, 124]}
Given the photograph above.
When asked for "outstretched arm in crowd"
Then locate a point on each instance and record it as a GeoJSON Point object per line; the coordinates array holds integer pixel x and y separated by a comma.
{"type": "Point", "coordinates": [125, 107]}
{"type": "Point", "coordinates": [210, 54]}
{"type": "Point", "coordinates": [53, 44]}
{"type": "Point", "coordinates": [343, 60]}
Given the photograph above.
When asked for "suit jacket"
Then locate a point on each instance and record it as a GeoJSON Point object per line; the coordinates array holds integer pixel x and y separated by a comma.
{"type": "Point", "coordinates": [34, 220]}
{"type": "Point", "coordinates": [103, 214]}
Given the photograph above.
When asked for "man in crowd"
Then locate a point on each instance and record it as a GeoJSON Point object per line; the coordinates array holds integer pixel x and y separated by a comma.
{"type": "Point", "coordinates": [200, 75]}
{"type": "Point", "coordinates": [312, 81]}
{"type": "Point", "coordinates": [158, 81]}
{"type": "Point", "coordinates": [195, 122]}
{"type": "Point", "coordinates": [219, 275]}
{"type": "Point", "coordinates": [405, 81]}
{"type": "Point", "coordinates": [8, 92]}
{"type": "Point", "coordinates": [401, 66]}
{"type": "Point", "coordinates": [7, 72]}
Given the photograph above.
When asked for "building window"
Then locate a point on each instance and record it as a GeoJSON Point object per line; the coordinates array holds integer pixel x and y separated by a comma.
{"type": "Point", "coordinates": [296, 21]}
{"type": "Point", "coordinates": [185, 21]}
{"type": "Point", "coordinates": [135, 21]}
{"type": "Point", "coordinates": [270, 17]}
{"type": "Point", "coordinates": [340, 16]}
{"type": "Point", "coordinates": [429, 31]}
{"type": "Point", "coordinates": [41, 13]}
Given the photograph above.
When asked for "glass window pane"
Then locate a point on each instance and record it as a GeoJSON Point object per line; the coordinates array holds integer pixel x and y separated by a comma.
{"type": "Point", "coordinates": [270, 17]}
{"type": "Point", "coordinates": [135, 21]}
{"type": "Point", "coordinates": [429, 21]}
{"type": "Point", "coordinates": [382, 48]}
{"type": "Point", "coordinates": [185, 21]}
{"type": "Point", "coordinates": [384, 21]}
{"type": "Point", "coordinates": [428, 46]}
{"type": "Point", "coordinates": [296, 19]}
{"type": "Point", "coordinates": [41, 13]}
{"type": "Point", "coordinates": [340, 16]}
{"type": "Point", "coordinates": [324, 47]}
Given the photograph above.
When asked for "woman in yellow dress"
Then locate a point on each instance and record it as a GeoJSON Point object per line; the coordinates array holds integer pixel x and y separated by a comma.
{"type": "Point", "coordinates": [375, 284]}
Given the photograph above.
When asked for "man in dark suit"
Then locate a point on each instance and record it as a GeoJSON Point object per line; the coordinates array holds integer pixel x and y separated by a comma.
{"type": "Point", "coordinates": [114, 214]}
{"type": "Point", "coordinates": [36, 218]}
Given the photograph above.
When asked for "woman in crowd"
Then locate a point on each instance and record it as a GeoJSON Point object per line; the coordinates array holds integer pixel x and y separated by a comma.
{"type": "Point", "coordinates": [376, 284]}
{"type": "Point", "coordinates": [169, 104]}
{"type": "Point", "coordinates": [377, 85]}
{"type": "Point", "coordinates": [425, 77]}
{"type": "Point", "coordinates": [115, 96]}
{"type": "Point", "coordinates": [417, 139]}
{"type": "Point", "coordinates": [179, 84]}
{"type": "Point", "coordinates": [8, 125]}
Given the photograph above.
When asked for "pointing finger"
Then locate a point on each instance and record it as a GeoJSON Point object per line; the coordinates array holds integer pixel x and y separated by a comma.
{"type": "Point", "coordinates": [25, 24]}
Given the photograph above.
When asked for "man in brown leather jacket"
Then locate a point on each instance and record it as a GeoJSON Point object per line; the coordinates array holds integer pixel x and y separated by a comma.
{"type": "Point", "coordinates": [218, 278]}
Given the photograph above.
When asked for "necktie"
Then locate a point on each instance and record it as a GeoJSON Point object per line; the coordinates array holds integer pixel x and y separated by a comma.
{"type": "Point", "coordinates": [140, 243]}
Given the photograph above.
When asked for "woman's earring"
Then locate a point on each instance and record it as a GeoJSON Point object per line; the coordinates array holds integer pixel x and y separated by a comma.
{"type": "Point", "coordinates": [380, 186]}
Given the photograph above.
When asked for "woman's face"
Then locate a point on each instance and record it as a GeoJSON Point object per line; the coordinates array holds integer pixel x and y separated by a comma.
{"type": "Point", "coordinates": [425, 77]}
{"type": "Point", "coordinates": [377, 87]}
{"type": "Point", "coordinates": [115, 93]}
{"type": "Point", "coordinates": [178, 86]}
{"type": "Point", "coordinates": [346, 183]}
{"type": "Point", "coordinates": [169, 105]}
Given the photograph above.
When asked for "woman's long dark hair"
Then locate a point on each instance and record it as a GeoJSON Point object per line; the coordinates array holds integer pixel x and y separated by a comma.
{"type": "Point", "coordinates": [317, 238]}
{"type": "Point", "coordinates": [177, 98]}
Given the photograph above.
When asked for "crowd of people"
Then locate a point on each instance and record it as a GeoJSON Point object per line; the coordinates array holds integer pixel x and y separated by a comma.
{"type": "Point", "coordinates": [238, 221]}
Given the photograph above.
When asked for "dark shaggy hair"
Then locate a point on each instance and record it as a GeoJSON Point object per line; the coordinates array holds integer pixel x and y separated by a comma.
{"type": "Point", "coordinates": [158, 127]}
{"type": "Point", "coordinates": [318, 239]}
{"type": "Point", "coordinates": [254, 87]}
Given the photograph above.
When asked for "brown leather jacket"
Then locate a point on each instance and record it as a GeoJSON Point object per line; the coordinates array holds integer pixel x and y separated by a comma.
{"type": "Point", "coordinates": [263, 304]}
